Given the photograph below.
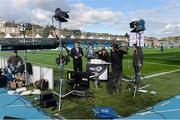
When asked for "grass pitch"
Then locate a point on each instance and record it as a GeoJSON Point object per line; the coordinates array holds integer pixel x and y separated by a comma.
{"type": "Point", "coordinates": [155, 62]}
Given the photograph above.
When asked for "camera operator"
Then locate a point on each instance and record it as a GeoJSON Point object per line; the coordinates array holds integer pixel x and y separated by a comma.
{"type": "Point", "coordinates": [116, 64]}
{"type": "Point", "coordinates": [137, 60]}
{"type": "Point", "coordinates": [103, 54]}
{"type": "Point", "coordinates": [76, 54]}
{"type": "Point", "coordinates": [14, 62]}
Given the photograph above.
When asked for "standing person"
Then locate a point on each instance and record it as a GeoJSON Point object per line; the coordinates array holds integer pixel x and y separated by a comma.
{"type": "Point", "coordinates": [137, 61]}
{"type": "Point", "coordinates": [103, 54]}
{"type": "Point", "coordinates": [76, 54]}
{"type": "Point", "coordinates": [90, 53]}
{"type": "Point", "coordinates": [14, 62]}
{"type": "Point", "coordinates": [162, 49]}
{"type": "Point", "coordinates": [116, 64]}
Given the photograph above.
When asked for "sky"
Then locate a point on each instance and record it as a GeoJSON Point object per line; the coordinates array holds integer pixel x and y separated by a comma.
{"type": "Point", "coordinates": [162, 17]}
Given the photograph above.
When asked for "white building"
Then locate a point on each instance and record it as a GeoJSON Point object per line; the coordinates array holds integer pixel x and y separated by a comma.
{"type": "Point", "coordinates": [2, 28]}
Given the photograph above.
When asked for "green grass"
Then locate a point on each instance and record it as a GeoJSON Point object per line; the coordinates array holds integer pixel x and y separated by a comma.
{"type": "Point", "coordinates": [155, 62]}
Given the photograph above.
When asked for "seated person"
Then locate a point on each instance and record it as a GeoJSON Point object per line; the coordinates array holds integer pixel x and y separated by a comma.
{"type": "Point", "coordinates": [17, 82]}
{"type": "Point", "coordinates": [14, 62]}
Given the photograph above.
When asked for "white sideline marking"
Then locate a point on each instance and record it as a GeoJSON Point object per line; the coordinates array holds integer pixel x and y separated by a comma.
{"type": "Point", "coordinates": [163, 73]}
{"type": "Point", "coordinates": [29, 105]}
{"type": "Point", "coordinates": [162, 64]}
{"type": "Point", "coordinates": [163, 104]}
{"type": "Point", "coordinates": [154, 75]}
{"type": "Point", "coordinates": [160, 111]}
{"type": "Point", "coordinates": [178, 97]}
{"type": "Point", "coordinates": [160, 58]}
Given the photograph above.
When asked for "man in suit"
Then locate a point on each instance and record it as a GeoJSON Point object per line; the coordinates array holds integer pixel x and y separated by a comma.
{"type": "Point", "coordinates": [76, 54]}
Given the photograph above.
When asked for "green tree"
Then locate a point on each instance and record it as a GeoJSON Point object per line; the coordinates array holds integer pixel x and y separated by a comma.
{"type": "Point", "coordinates": [76, 33]}
{"type": "Point", "coordinates": [66, 32]}
{"type": "Point", "coordinates": [88, 34]}
{"type": "Point", "coordinates": [46, 31]}
{"type": "Point", "coordinates": [2, 34]}
{"type": "Point", "coordinates": [126, 35]}
{"type": "Point", "coordinates": [105, 35]}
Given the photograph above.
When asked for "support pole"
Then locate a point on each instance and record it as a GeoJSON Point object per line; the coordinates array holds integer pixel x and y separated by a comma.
{"type": "Point", "coordinates": [138, 76]}
{"type": "Point", "coordinates": [60, 66]}
{"type": "Point", "coordinates": [25, 56]}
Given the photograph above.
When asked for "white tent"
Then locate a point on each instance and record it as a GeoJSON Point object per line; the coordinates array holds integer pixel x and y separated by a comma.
{"type": "Point", "coordinates": [91, 37]}
{"type": "Point", "coordinates": [8, 36]}
{"type": "Point", "coordinates": [100, 38]}
{"type": "Point", "coordinates": [82, 37]}
{"type": "Point", "coordinates": [50, 36]}
{"type": "Point", "coordinates": [22, 36]}
{"type": "Point", "coordinates": [109, 38]}
{"type": "Point", "coordinates": [118, 38]}
{"type": "Point", "coordinates": [72, 36]}
{"type": "Point", "coordinates": [38, 36]}
{"type": "Point", "coordinates": [62, 36]}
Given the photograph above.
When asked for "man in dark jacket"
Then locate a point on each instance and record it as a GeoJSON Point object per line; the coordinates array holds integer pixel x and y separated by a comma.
{"type": "Point", "coordinates": [103, 54]}
{"type": "Point", "coordinates": [14, 62]}
{"type": "Point", "coordinates": [116, 64]}
{"type": "Point", "coordinates": [76, 54]}
{"type": "Point", "coordinates": [137, 60]}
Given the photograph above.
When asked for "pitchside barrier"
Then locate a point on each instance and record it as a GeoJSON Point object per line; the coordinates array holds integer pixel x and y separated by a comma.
{"type": "Point", "coordinates": [39, 72]}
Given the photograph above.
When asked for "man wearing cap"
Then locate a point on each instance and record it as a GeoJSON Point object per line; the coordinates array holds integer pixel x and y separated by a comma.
{"type": "Point", "coordinates": [13, 61]}
{"type": "Point", "coordinates": [116, 64]}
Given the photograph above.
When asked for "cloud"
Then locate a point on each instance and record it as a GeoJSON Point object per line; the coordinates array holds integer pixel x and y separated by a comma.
{"type": "Point", "coordinates": [41, 12]}
{"type": "Point", "coordinates": [38, 11]}
{"type": "Point", "coordinates": [172, 29]}
{"type": "Point", "coordinates": [83, 16]}
{"type": "Point", "coordinates": [160, 22]}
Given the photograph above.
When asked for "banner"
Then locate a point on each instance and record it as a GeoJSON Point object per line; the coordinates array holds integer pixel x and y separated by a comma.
{"type": "Point", "coordinates": [135, 37]}
{"type": "Point", "coordinates": [101, 69]}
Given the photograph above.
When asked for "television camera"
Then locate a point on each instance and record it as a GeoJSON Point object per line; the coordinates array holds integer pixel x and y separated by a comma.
{"type": "Point", "coordinates": [60, 15]}
{"type": "Point", "coordinates": [137, 26]}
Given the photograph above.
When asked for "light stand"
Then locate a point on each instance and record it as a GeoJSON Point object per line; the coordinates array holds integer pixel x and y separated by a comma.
{"type": "Point", "coordinates": [60, 66]}
{"type": "Point", "coordinates": [60, 16]}
{"type": "Point", "coordinates": [23, 29]}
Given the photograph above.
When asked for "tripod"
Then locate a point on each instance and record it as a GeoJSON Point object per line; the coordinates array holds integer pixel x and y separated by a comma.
{"type": "Point", "coordinates": [28, 80]}
{"type": "Point", "coordinates": [138, 75]}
